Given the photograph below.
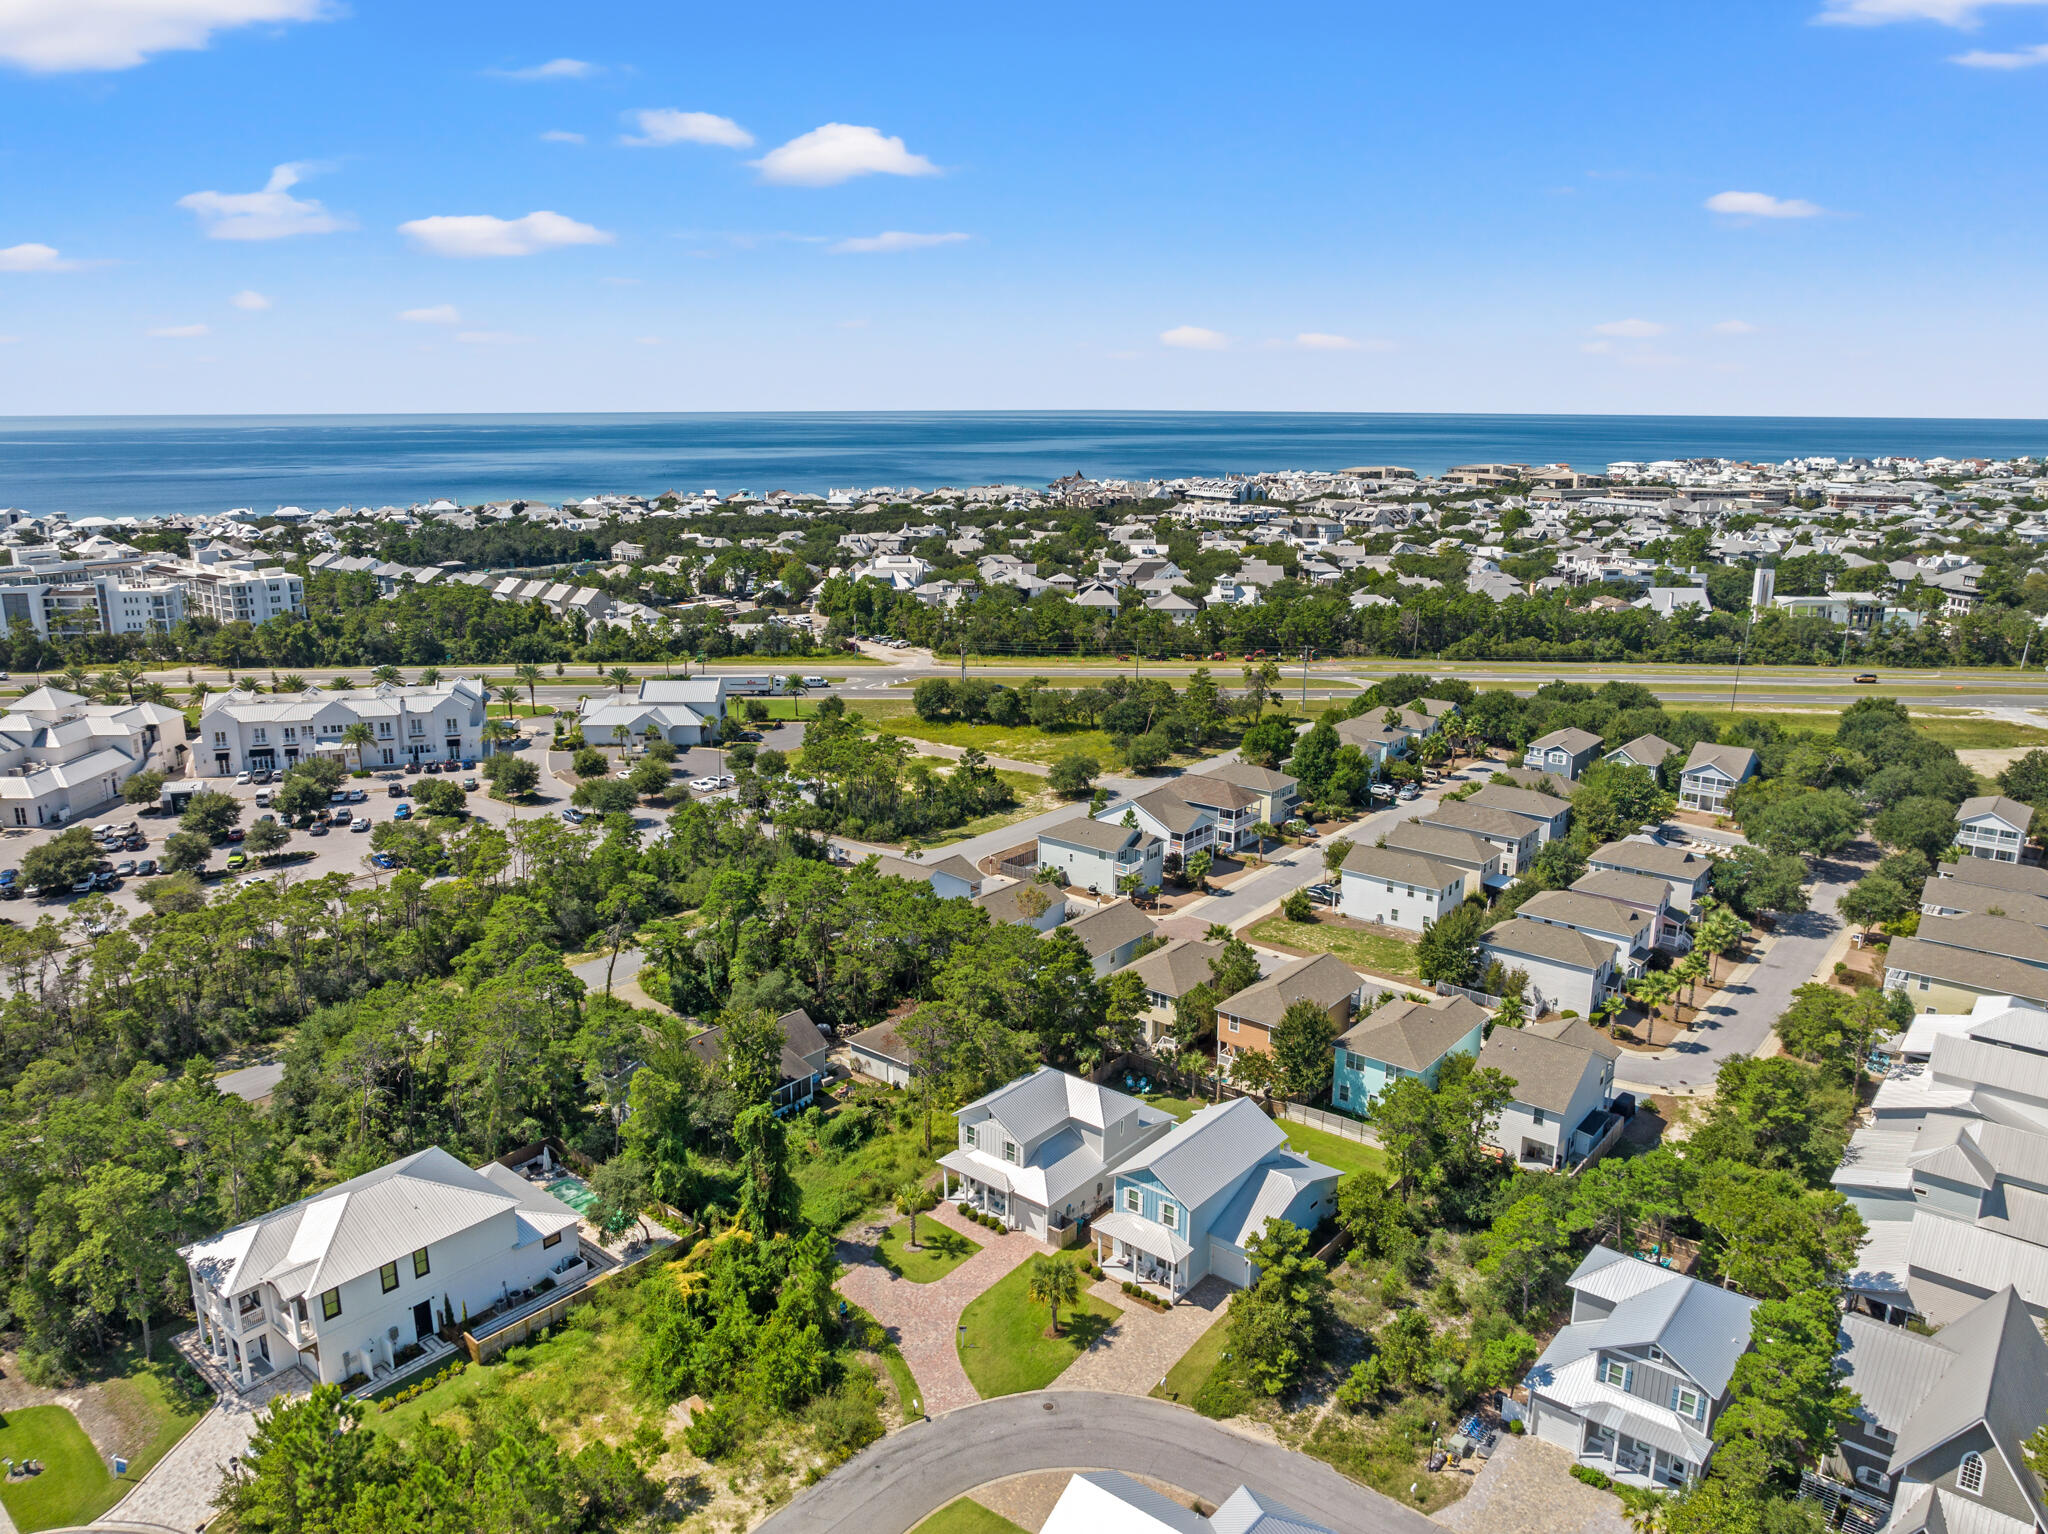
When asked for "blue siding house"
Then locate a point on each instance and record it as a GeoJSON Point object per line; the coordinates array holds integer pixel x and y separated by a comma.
{"type": "Point", "coordinates": [1191, 1204]}
{"type": "Point", "coordinates": [1402, 1038]}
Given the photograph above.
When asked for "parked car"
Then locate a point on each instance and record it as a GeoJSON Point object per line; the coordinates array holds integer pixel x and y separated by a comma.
{"type": "Point", "coordinates": [343, 817]}
{"type": "Point", "coordinates": [339, 796]}
{"type": "Point", "coordinates": [263, 799]}
{"type": "Point", "coordinates": [703, 785]}
{"type": "Point", "coordinates": [238, 859]}
{"type": "Point", "coordinates": [469, 785]}
{"type": "Point", "coordinates": [360, 823]}
{"type": "Point", "coordinates": [433, 767]}
{"type": "Point", "coordinates": [242, 777]}
{"type": "Point", "coordinates": [1409, 791]}
{"type": "Point", "coordinates": [357, 795]}
{"type": "Point", "coordinates": [1325, 894]}
{"type": "Point", "coordinates": [317, 828]}
{"type": "Point", "coordinates": [397, 790]}
{"type": "Point", "coordinates": [146, 868]}
{"type": "Point", "coordinates": [135, 842]}
{"type": "Point", "coordinates": [573, 815]}
{"type": "Point", "coordinates": [262, 777]}
{"type": "Point", "coordinates": [125, 870]}
{"type": "Point", "coordinates": [383, 860]}
{"type": "Point", "coordinates": [236, 833]}
{"type": "Point", "coordinates": [84, 886]}
{"type": "Point", "coordinates": [403, 812]}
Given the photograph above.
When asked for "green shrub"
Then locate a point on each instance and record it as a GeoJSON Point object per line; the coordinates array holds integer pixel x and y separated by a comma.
{"type": "Point", "coordinates": [1592, 1477]}
{"type": "Point", "coordinates": [713, 1431]}
{"type": "Point", "coordinates": [1222, 1395]}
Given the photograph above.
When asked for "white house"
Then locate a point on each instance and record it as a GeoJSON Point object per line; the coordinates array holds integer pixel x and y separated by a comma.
{"type": "Point", "coordinates": [339, 1283]}
{"type": "Point", "coordinates": [1110, 1502]}
{"type": "Point", "coordinates": [1110, 934]}
{"type": "Point", "coordinates": [1400, 889]}
{"type": "Point", "coordinates": [684, 712]}
{"type": "Point", "coordinates": [1688, 875]}
{"type": "Point", "coordinates": [249, 732]}
{"type": "Point", "coordinates": [1564, 1083]}
{"type": "Point", "coordinates": [951, 878]}
{"type": "Point", "coordinates": [1711, 774]}
{"type": "Point", "coordinates": [1567, 970]}
{"type": "Point", "coordinates": [1517, 836]}
{"type": "Point", "coordinates": [1626, 926]}
{"type": "Point", "coordinates": [1038, 1153]}
{"type": "Point", "coordinates": [1993, 826]}
{"type": "Point", "coordinates": [1094, 854]}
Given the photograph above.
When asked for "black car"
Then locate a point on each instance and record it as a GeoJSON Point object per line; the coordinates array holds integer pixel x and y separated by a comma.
{"type": "Point", "coordinates": [106, 881]}
{"type": "Point", "coordinates": [396, 790]}
{"type": "Point", "coordinates": [317, 828]}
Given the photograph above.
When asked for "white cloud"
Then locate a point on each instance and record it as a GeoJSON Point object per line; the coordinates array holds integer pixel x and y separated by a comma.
{"type": "Point", "coordinates": [1194, 338]}
{"type": "Point", "coordinates": [890, 240]}
{"type": "Point", "coordinates": [1597, 348]}
{"type": "Point", "coordinates": [34, 258]}
{"type": "Point", "coordinates": [666, 125]}
{"type": "Point", "coordinates": [1878, 13]}
{"type": "Point", "coordinates": [561, 136]}
{"type": "Point", "coordinates": [271, 214]}
{"type": "Point", "coordinates": [2024, 58]}
{"type": "Point", "coordinates": [1320, 341]}
{"type": "Point", "coordinates": [178, 332]}
{"type": "Point", "coordinates": [490, 337]}
{"type": "Point", "coordinates": [1761, 205]}
{"type": "Point", "coordinates": [437, 314]}
{"type": "Point", "coordinates": [1735, 328]}
{"type": "Point", "coordinates": [553, 69]}
{"type": "Point", "coordinates": [1634, 330]}
{"type": "Point", "coordinates": [250, 299]}
{"type": "Point", "coordinates": [838, 152]}
{"type": "Point", "coordinates": [479, 234]}
{"type": "Point", "coordinates": [54, 36]}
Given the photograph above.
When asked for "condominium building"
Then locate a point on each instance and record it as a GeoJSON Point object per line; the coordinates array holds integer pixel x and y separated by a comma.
{"type": "Point", "coordinates": [246, 731]}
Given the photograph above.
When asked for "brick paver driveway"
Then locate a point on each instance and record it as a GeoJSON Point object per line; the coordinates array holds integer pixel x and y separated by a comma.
{"type": "Point", "coordinates": [923, 1319]}
{"type": "Point", "coordinates": [1134, 1354]}
{"type": "Point", "coordinates": [1527, 1488]}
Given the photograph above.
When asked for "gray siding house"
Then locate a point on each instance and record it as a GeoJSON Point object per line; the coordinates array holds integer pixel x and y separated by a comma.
{"type": "Point", "coordinates": [1564, 752]}
{"type": "Point", "coordinates": [1094, 854]}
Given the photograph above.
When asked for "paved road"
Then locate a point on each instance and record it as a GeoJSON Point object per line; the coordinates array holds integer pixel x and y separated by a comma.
{"type": "Point", "coordinates": [1739, 1020]}
{"type": "Point", "coordinates": [890, 1486]}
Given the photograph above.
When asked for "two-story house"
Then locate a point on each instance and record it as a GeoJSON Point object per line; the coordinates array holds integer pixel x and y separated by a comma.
{"type": "Point", "coordinates": [1640, 892]}
{"type": "Point", "coordinates": [1094, 854]}
{"type": "Point", "coordinates": [1168, 974]}
{"type": "Point", "coordinates": [1690, 875]}
{"type": "Point", "coordinates": [951, 878]}
{"type": "Point", "coordinates": [805, 1058]}
{"type": "Point", "coordinates": [1246, 1021]}
{"type": "Point", "coordinates": [1992, 826]}
{"type": "Point", "coordinates": [1401, 1038]}
{"type": "Point", "coordinates": [1406, 890]}
{"type": "Point", "coordinates": [1551, 816]}
{"type": "Point", "coordinates": [1110, 934]}
{"type": "Point", "coordinates": [1233, 809]}
{"type": "Point", "coordinates": [1193, 1203]}
{"type": "Point", "coordinates": [1633, 1384]}
{"type": "Point", "coordinates": [1483, 860]}
{"type": "Point", "coordinates": [1937, 1442]}
{"type": "Point", "coordinates": [1565, 752]}
{"type": "Point", "coordinates": [1567, 970]}
{"type": "Point", "coordinates": [1952, 960]}
{"type": "Point", "coordinates": [1278, 795]}
{"type": "Point", "coordinates": [1626, 926]}
{"type": "Point", "coordinates": [1038, 1152]}
{"type": "Point", "coordinates": [1563, 1073]}
{"type": "Point", "coordinates": [1517, 836]}
{"type": "Point", "coordinates": [1183, 829]}
{"type": "Point", "coordinates": [340, 1283]}
{"type": "Point", "coordinates": [1644, 751]}
{"type": "Point", "coordinates": [1712, 774]}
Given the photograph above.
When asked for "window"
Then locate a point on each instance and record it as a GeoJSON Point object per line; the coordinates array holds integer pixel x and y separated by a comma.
{"type": "Point", "coordinates": [419, 1263]}
{"type": "Point", "coordinates": [1343, 1092]}
{"type": "Point", "coordinates": [1688, 1403]}
{"type": "Point", "coordinates": [1169, 1215]}
{"type": "Point", "coordinates": [970, 1136]}
{"type": "Point", "coordinates": [330, 1304]}
{"type": "Point", "coordinates": [1616, 1373]}
{"type": "Point", "coordinates": [1970, 1474]}
{"type": "Point", "coordinates": [1133, 1203]}
{"type": "Point", "coordinates": [554, 1239]}
{"type": "Point", "coordinates": [1883, 1434]}
{"type": "Point", "coordinates": [1539, 1115]}
{"type": "Point", "coordinates": [388, 1276]}
{"type": "Point", "coordinates": [299, 1307]}
{"type": "Point", "coordinates": [1010, 1152]}
{"type": "Point", "coordinates": [1233, 1025]}
{"type": "Point", "coordinates": [1925, 984]}
{"type": "Point", "coordinates": [1874, 1478]}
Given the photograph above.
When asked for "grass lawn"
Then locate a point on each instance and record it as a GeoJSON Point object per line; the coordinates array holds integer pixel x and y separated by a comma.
{"type": "Point", "coordinates": [1962, 732]}
{"type": "Point", "coordinates": [1019, 742]}
{"type": "Point", "coordinates": [966, 1517]}
{"type": "Point", "coordinates": [1196, 1364]}
{"type": "Point", "coordinates": [75, 1486]}
{"type": "Point", "coordinates": [1004, 1347]}
{"type": "Point", "coordinates": [939, 1251]}
{"type": "Point", "coordinates": [1367, 950]}
{"type": "Point", "coordinates": [1033, 798]}
{"type": "Point", "coordinates": [1331, 1150]}
{"type": "Point", "coordinates": [522, 711]}
{"type": "Point", "coordinates": [163, 1398]}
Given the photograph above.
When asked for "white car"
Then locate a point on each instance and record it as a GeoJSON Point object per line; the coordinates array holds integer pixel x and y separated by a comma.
{"type": "Point", "coordinates": [816, 681]}
{"type": "Point", "coordinates": [241, 777]}
{"type": "Point", "coordinates": [705, 785]}
{"type": "Point", "coordinates": [361, 823]}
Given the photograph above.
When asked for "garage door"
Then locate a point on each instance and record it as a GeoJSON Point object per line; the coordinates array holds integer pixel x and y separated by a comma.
{"type": "Point", "coordinates": [1228, 1263]}
{"type": "Point", "coordinates": [1560, 1428]}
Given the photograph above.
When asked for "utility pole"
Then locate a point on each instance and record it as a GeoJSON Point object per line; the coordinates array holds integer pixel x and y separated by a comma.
{"type": "Point", "coordinates": [1306, 652]}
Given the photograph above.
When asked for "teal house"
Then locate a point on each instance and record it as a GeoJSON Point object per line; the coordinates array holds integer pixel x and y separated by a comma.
{"type": "Point", "coordinates": [1402, 1038]}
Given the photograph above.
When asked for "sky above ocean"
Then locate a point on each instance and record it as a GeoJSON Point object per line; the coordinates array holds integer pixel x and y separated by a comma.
{"type": "Point", "coordinates": [206, 465]}
{"type": "Point", "coordinates": [1785, 207]}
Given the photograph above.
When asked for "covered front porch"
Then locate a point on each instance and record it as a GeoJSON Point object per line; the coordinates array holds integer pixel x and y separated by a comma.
{"type": "Point", "coordinates": [1624, 1447]}
{"type": "Point", "coordinates": [1128, 1246]}
{"type": "Point", "coordinates": [981, 1186]}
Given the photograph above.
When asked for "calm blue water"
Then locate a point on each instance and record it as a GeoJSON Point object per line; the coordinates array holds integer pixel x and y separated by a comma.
{"type": "Point", "coordinates": [149, 466]}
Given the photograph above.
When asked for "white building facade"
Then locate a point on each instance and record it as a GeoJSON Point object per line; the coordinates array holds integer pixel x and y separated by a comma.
{"type": "Point", "coordinates": [245, 731]}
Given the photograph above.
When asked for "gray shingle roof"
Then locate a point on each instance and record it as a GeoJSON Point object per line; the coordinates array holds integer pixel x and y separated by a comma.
{"type": "Point", "coordinates": [1586, 913]}
{"type": "Point", "coordinates": [1651, 858]}
{"type": "Point", "coordinates": [1481, 821]}
{"type": "Point", "coordinates": [1250, 775]}
{"type": "Point", "coordinates": [1095, 835]}
{"type": "Point", "coordinates": [1540, 940]}
{"type": "Point", "coordinates": [1645, 750]}
{"type": "Point", "coordinates": [1411, 1035]}
{"type": "Point", "coordinates": [1109, 928]}
{"type": "Point", "coordinates": [1170, 809]}
{"type": "Point", "coordinates": [1526, 802]}
{"type": "Point", "coordinates": [1736, 761]}
{"type": "Point", "coordinates": [1326, 980]}
{"type": "Point", "coordinates": [1445, 842]}
{"type": "Point", "coordinates": [1546, 1072]}
{"type": "Point", "coordinates": [1991, 874]}
{"type": "Point", "coordinates": [1574, 741]}
{"type": "Point", "coordinates": [1636, 889]}
{"type": "Point", "coordinates": [2011, 811]}
{"type": "Point", "coordinates": [1177, 968]}
{"type": "Point", "coordinates": [1394, 865]}
{"type": "Point", "coordinates": [1987, 934]}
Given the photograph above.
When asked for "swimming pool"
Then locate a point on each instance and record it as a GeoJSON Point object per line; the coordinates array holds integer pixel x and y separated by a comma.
{"type": "Point", "coordinates": [573, 1191]}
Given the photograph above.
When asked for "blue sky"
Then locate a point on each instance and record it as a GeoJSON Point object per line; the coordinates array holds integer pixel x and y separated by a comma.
{"type": "Point", "coordinates": [1792, 207]}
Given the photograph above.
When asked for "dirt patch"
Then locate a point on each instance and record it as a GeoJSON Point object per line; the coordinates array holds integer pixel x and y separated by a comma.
{"type": "Point", "coordinates": [1992, 760]}
{"type": "Point", "coordinates": [116, 1420]}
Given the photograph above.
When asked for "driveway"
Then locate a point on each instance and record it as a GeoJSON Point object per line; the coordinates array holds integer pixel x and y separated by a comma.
{"type": "Point", "coordinates": [1135, 1353]}
{"type": "Point", "coordinates": [1738, 1018]}
{"type": "Point", "coordinates": [893, 1484]}
{"type": "Point", "coordinates": [1526, 1487]}
{"type": "Point", "coordinates": [923, 1320]}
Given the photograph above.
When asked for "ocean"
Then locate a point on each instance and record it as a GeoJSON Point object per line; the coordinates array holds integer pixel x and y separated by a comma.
{"type": "Point", "coordinates": [163, 465]}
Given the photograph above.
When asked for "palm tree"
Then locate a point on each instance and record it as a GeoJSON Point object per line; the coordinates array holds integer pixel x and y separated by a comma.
{"type": "Point", "coordinates": [290, 682]}
{"type": "Point", "coordinates": [153, 692]}
{"type": "Point", "coordinates": [909, 1200]}
{"type": "Point", "coordinates": [1262, 830]}
{"type": "Point", "coordinates": [796, 687]}
{"type": "Point", "coordinates": [198, 695]}
{"type": "Point", "coordinates": [75, 678]}
{"type": "Point", "coordinates": [619, 677]}
{"type": "Point", "coordinates": [358, 735]}
{"type": "Point", "coordinates": [509, 696]}
{"type": "Point", "coordinates": [390, 676]}
{"type": "Point", "coordinates": [1053, 1283]}
{"type": "Point", "coordinates": [130, 673]}
{"type": "Point", "coordinates": [530, 675]}
{"type": "Point", "coordinates": [431, 677]}
{"type": "Point", "coordinates": [495, 732]}
{"type": "Point", "coordinates": [342, 683]}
